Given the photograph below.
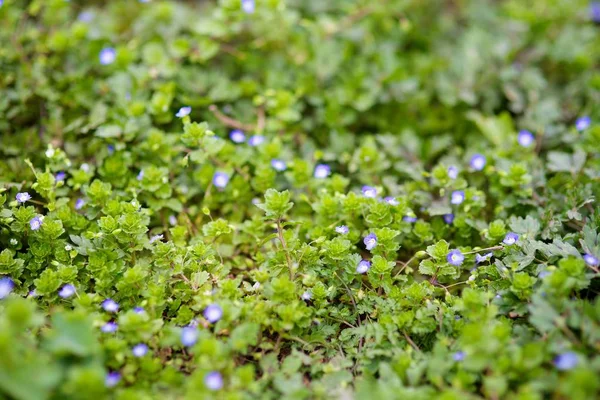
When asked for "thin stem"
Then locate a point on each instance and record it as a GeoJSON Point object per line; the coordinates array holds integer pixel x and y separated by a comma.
{"type": "Point", "coordinates": [285, 248]}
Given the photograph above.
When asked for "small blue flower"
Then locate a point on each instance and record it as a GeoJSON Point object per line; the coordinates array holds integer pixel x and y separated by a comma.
{"type": "Point", "coordinates": [459, 356]}
{"type": "Point", "coordinates": [110, 149]}
{"type": "Point", "coordinates": [140, 175]}
{"type": "Point", "coordinates": [544, 274]}
{"type": "Point", "coordinates": [248, 6]}
{"type": "Point", "coordinates": [278, 165]}
{"type": "Point", "coordinates": [79, 204]}
{"type": "Point", "coordinates": [139, 310]}
{"type": "Point", "coordinates": [67, 291]}
{"type": "Point", "coordinates": [109, 327]}
{"type": "Point", "coordinates": [448, 218]}
{"type": "Point", "coordinates": [139, 350]}
{"type": "Point", "coordinates": [455, 257]}
{"type": "Point", "coordinates": [112, 379]}
{"type": "Point", "coordinates": [60, 176]}
{"type": "Point", "coordinates": [213, 380]}
{"type": "Point", "coordinates": [322, 171]}
{"type": "Point", "coordinates": [183, 112]}
{"type": "Point", "coordinates": [457, 197]}
{"type": "Point", "coordinates": [6, 286]}
{"type": "Point", "coordinates": [481, 258]}
{"type": "Point", "coordinates": [23, 197]}
{"type": "Point", "coordinates": [220, 179]}
{"type": "Point", "coordinates": [363, 266]}
{"type": "Point", "coordinates": [566, 361]}
{"type": "Point", "coordinates": [370, 241]}
{"type": "Point", "coordinates": [583, 123]}
{"type": "Point", "coordinates": [86, 16]}
{"type": "Point", "coordinates": [109, 305]}
{"type": "Point", "coordinates": [510, 238]}
{"type": "Point", "coordinates": [35, 223]}
{"type": "Point", "coordinates": [173, 219]}
{"type": "Point", "coordinates": [306, 296]}
{"type": "Point", "coordinates": [409, 218]}
{"type": "Point", "coordinates": [525, 138]}
{"type": "Point", "coordinates": [189, 336]}
{"type": "Point", "coordinates": [369, 191]}
{"type": "Point", "coordinates": [156, 237]}
{"type": "Point", "coordinates": [342, 229]}
{"type": "Point", "coordinates": [591, 260]}
{"type": "Point", "coordinates": [478, 162]}
{"type": "Point", "coordinates": [595, 11]}
{"type": "Point", "coordinates": [452, 172]}
{"type": "Point", "coordinates": [256, 140]}
{"type": "Point", "coordinates": [391, 201]}
{"type": "Point", "coordinates": [213, 313]}
{"type": "Point", "coordinates": [108, 55]}
{"type": "Point", "coordinates": [237, 136]}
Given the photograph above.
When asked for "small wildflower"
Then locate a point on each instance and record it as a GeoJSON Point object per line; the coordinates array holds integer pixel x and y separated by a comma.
{"type": "Point", "coordinates": [139, 350]}
{"type": "Point", "coordinates": [322, 171]}
{"type": "Point", "coordinates": [155, 238]}
{"type": "Point", "coordinates": [110, 149]}
{"type": "Point", "coordinates": [510, 238]}
{"type": "Point", "coordinates": [85, 167]}
{"type": "Point", "coordinates": [14, 241]}
{"type": "Point", "coordinates": [256, 140]}
{"type": "Point", "coordinates": [566, 361]}
{"type": "Point", "coordinates": [173, 219]}
{"type": "Point", "coordinates": [481, 258]}
{"type": "Point", "coordinates": [583, 123]}
{"type": "Point", "coordinates": [409, 218]}
{"type": "Point", "coordinates": [60, 176]}
{"type": "Point", "coordinates": [35, 223]}
{"type": "Point", "coordinates": [278, 165]}
{"type": "Point", "coordinates": [79, 204]}
{"type": "Point", "coordinates": [525, 138]}
{"type": "Point", "coordinates": [140, 175]}
{"type": "Point", "coordinates": [306, 296]}
{"type": "Point", "coordinates": [459, 356]}
{"type": "Point", "coordinates": [452, 172]}
{"type": "Point", "coordinates": [363, 266]}
{"type": "Point", "coordinates": [220, 179]}
{"type": "Point", "coordinates": [455, 257]}
{"type": "Point", "coordinates": [112, 379]}
{"type": "Point", "coordinates": [32, 293]}
{"type": "Point", "coordinates": [237, 136]}
{"type": "Point", "coordinates": [109, 305]}
{"type": "Point", "coordinates": [478, 162]}
{"type": "Point", "coordinates": [342, 229]}
{"type": "Point", "coordinates": [23, 197]}
{"type": "Point", "coordinates": [67, 291]}
{"type": "Point", "coordinates": [139, 310]}
{"type": "Point", "coordinates": [448, 218]}
{"type": "Point", "coordinates": [213, 313]}
{"type": "Point", "coordinates": [213, 380]}
{"type": "Point", "coordinates": [183, 111]}
{"type": "Point", "coordinates": [457, 197]}
{"type": "Point", "coordinates": [591, 260]}
{"type": "Point", "coordinates": [595, 11]}
{"type": "Point", "coordinates": [391, 201]}
{"type": "Point", "coordinates": [6, 286]}
{"type": "Point", "coordinates": [544, 274]}
{"type": "Point", "coordinates": [108, 55]}
{"type": "Point", "coordinates": [189, 336]}
{"type": "Point", "coordinates": [370, 241]}
{"type": "Point", "coordinates": [109, 327]}
{"type": "Point", "coordinates": [248, 6]}
{"type": "Point", "coordinates": [369, 191]}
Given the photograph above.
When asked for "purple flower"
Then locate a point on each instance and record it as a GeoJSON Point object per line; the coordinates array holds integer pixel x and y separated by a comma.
{"type": "Point", "coordinates": [322, 171]}
{"type": "Point", "coordinates": [213, 380]}
{"type": "Point", "coordinates": [248, 6]}
{"type": "Point", "coordinates": [173, 219]}
{"type": "Point", "coordinates": [342, 229]}
{"type": "Point", "coordinates": [256, 140]}
{"type": "Point", "coordinates": [35, 223]}
{"type": "Point", "coordinates": [6, 286]}
{"type": "Point", "coordinates": [155, 238]}
{"type": "Point", "coordinates": [455, 257]}
{"type": "Point", "coordinates": [109, 327]}
{"type": "Point", "coordinates": [452, 172]}
{"type": "Point", "coordinates": [109, 305]}
{"type": "Point", "coordinates": [583, 123]}
{"type": "Point", "coordinates": [67, 291]}
{"type": "Point", "coordinates": [85, 16]}
{"type": "Point", "coordinates": [510, 238]}
{"type": "Point", "coordinates": [237, 136]}
{"type": "Point", "coordinates": [189, 336]}
{"type": "Point", "coordinates": [139, 350]}
{"type": "Point", "coordinates": [220, 179]}
{"type": "Point", "coordinates": [459, 356]}
{"type": "Point", "coordinates": [478, 162]}
{"type": "Point", "coordinates": [112, 379]}
{"type": "Point", "coordinates": [448, 218]}
{"type": "Point", "coordinates": [183, 111]}
{"type": "Point", "coordinates": [595, 11]}
{"type": "Point", "coordinates": [525, 138]}
{"type": "Point", "coordinates": [278, 165]}
{"type": "Point", "coordinates": [457, 197]}
{"type": "Point", "coordinates": [566, 361]}
{"type": "Point", "coordinates": [481, 258]}
{"type": "Point", "coordinates": [391, 201]}
{"type": "Point", "coordinates": [60, 176]}
{"type": "Point", "coordinates": [409, 218]}
{"type": "Point", "coordinates": [139, 310]}
{"type": "Point", "coordinates": [306, 296]}
{"type": "Point", "coordinates": [369, 191]}
{"type": "Point", "coordinates": [23, 197]}
{"type": "Point", "coordinates": [108, 55]}
{"type": "Point", "coordinates": [79, 204]}
{"type": "Point", "coordinates": [363, 266]}
{"type": "Point", "coordinates": [110, 149]}
{"type": "Point", "coordinates": [140, 175]}
{"type": "Point", "coordinates": [591, 260]}
{"type": "Point", "coordinates": [213, 313]}
{"type": "Point", "coordinates": [370, 241]}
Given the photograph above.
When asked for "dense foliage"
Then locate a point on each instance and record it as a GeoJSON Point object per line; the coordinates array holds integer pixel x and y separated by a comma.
{"type": "Point", "coordinates": [299, 199]}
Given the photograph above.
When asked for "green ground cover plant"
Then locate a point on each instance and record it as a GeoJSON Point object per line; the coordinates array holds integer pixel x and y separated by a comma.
{"type": "Point", "coordinates": [299, 199]}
